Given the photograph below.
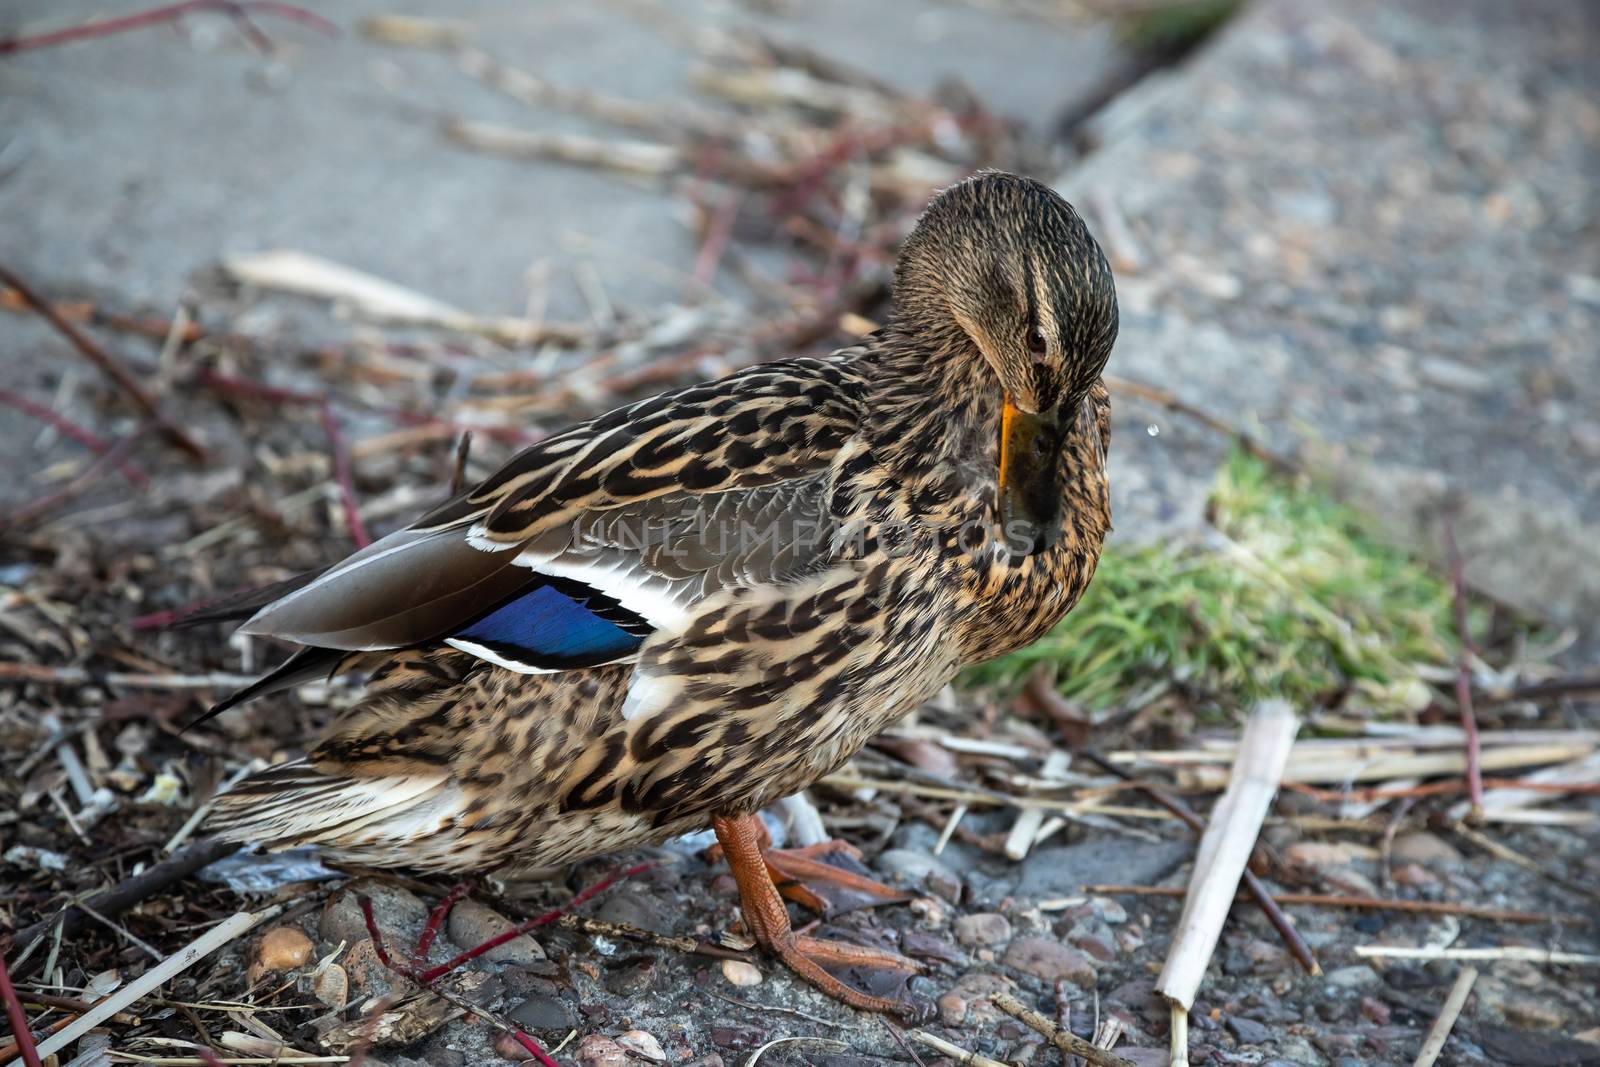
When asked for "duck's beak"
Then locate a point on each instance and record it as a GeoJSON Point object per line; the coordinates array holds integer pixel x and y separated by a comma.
{"type": "Point", "coordinates": [1030, 465]}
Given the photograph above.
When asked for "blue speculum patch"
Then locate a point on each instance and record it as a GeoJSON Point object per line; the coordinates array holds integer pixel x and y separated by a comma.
{"type": "Point", "coordinates": [553, 629]}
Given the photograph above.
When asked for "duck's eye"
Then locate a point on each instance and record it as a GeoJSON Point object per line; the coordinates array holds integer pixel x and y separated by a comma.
{"type": "Point", "coordinates": [1037, 347]}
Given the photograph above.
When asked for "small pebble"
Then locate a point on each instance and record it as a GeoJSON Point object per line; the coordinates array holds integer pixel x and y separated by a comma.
{"type": "Point", "coordinates": [634, 978]}
{"type": "Point", "coordinates": [365, 970]}
{"type": "Point", "coordinates": [393, 909]}
{"type": "Point", "coordinates": [906, 866]}
{"type": "Point", "coordinates": [740, 973]}
{"type": "Point", "coordinates": [1108, 910]}
{"type": "Point", "coordinates": [471, 924]}
{"type": "Point", "coordinates": [919, 945]}
{"type": "Point", "coordinates": [509, 1048]}
{"type": "Point", "coordinates": [633, 906]}
{"type": "Point", "coordinates": [1317, 855]}
{"type": "Point", "coordinates": [1265, 956]}
{"type": "Point", "coordinates": [983, 928]}
{"type": "Point", "coordinates": [1535, 1013]}
{"type": "Point", "coordinates": [737, 1037]}
{"type": "Point", "coordinates": [968, 1004]}
{"type": "Point", "coordinates": [1049, 959]}
{"type": "Point", "coordinates": [542, 1011]}
{"type": "Point", "coordinates": [331, 985]}
{"type": "Point", "coordinates": [597, 1051]}
{"type": "Point", "coordinates": [1248, 1031]}
{"type": "Point", "coordinates": [643, 1045]}
{"type": "Point", "coordinates": [1414, 875]}
{"type": "Point", "coordinates": [1096, 945]}
{"type": "Point", "coordinates": [282, 948]}
{"type": "Point", "coordinates": [930, 909]}
{"type": "Point", "coordinates": [1424, 848]}
{"type": "Point", "coordinates": [1357, 976]}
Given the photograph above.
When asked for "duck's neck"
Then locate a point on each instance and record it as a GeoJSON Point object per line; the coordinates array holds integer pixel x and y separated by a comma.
{"type": "Point", "coordinates": [933, 400]}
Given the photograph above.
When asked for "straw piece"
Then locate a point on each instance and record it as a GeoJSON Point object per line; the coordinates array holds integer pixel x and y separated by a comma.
{"type": "Point", "coordinates": [955, 1052]}
{"type": "Point", "coordinates": [300, 272]}
{"type": "Point", "coordinates": [229, 929]}
{"type": "Point", "coordinates": [1026, 828]}
{"type": "Point", "coordinates": [1178, 1036]}
{"type": "Point", "coordinates": [1500, 801]}
{"type": "Point", "coordinates": [1447, 1018]}
{"type": "Point", "coordinates": [1226, 845]}
{"type": "Point", "coordinates": [645, 158]}
{"type": "Point", "coordinates": [1349, 765]}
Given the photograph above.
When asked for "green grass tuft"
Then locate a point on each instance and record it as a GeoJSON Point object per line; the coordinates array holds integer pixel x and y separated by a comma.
{"type": "Point", "coordinates": [1175, 28]}
{"type": "Point", "coordinates": [1290, 596]}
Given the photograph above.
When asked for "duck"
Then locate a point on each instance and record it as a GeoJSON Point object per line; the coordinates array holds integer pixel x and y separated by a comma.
{"type": "Point", "coordinates": [686, 609]}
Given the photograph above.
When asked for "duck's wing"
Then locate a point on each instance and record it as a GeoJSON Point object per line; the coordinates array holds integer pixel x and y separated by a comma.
{"type": "Point", "coordinates": [583, 545]}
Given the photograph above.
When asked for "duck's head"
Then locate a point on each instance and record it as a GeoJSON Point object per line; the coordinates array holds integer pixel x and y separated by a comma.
{"type": "Point", "coordinates": [1003, 268]}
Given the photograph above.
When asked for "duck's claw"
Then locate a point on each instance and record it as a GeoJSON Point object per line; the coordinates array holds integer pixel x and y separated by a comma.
{"type": "Point", "coordinates": [767, 920]}
{"type": "Point", "coordinates": [828, 879]}
{"type": "Point", "coordinates": [841, 970]}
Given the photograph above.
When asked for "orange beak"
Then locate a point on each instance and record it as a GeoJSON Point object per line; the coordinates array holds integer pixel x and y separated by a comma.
{"type": "Point", "coordinates": [1030, 482]}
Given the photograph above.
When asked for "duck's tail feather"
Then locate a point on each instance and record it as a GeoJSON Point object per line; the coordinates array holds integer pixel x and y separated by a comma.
{"type": "Point", "coordinates": [295, 804]}
{"type": "Point", "coordinates": [306, 665]}
{"type": "Point", "coordinates": [243, 603]}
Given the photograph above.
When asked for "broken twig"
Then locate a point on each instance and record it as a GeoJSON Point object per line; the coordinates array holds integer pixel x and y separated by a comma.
{"type": "Point", "coordinates": [1439, 1033]}
{"type": "Point", "coordinates": [235, 926]}
{"type": "Point", "coordinates": [113, 368]}
{"type": "Point", "coordinates": [1069, 1043]}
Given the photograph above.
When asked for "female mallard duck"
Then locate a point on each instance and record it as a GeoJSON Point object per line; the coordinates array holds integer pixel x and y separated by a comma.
{"type": "Point", "coordinates": [688, 608]}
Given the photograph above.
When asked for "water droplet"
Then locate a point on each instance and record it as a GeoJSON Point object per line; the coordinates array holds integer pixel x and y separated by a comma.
{"type": "Point", "coordinates": [1153, 430]}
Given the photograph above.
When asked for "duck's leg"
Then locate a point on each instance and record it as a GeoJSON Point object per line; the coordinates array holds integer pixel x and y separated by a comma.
{"type": "Point", "coordinates": [807, 877]}
{"type": "Point", "coordinates": [767, 919]}
{"type": "Point", "coordinates": [804, 876]}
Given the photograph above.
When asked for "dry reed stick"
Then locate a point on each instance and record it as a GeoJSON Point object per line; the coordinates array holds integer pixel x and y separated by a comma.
{"type": "Point", "coordinates": [1440, 1032]}
{"type": "Point", "coordinates": [1224, 851]}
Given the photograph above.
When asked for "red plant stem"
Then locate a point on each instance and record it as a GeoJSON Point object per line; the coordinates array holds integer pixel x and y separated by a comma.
{"type": "Point", "coordinates": [341, 474]}
{"type": "Point", "coordinates": [233, 384]}
{"type": "Point", "coordinates": [1469, 720]}
{"type": "Point", "coordinates": [22, 1035]}
{"type": "Point", "coordinates": [239, 10]}
{"type": "Point", "coordinates": [534, 1049]}
{"type": "Point", "coordinates": [78, 485]}
{"type": "Point", "coordinates": [374, 933]}
{"type": "Point", "coordinates": [158, 620]}
{"type": "Point", "coordinates": [88, 438]}
{"type": "Point", "coordinates": [119, 374]}
{"type": "Point", "coordinates": [419, 955]}
{"type": "Point", "coordinates": [428, 977]}
{"type": "Point", "coordinates": [718, 230]}
{"type": "Point", "coordinates": [229, 383]}
{"type": "Point", "coordinates": [1253, 885]}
